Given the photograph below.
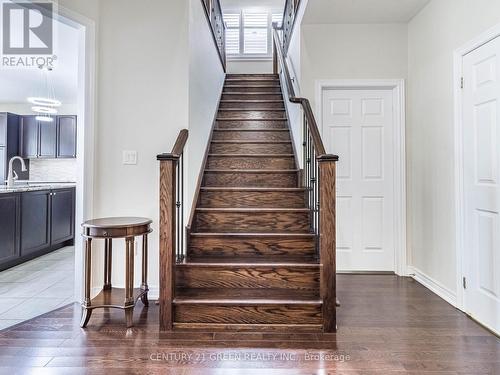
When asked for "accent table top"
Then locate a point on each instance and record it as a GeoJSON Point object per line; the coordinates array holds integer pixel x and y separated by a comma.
{"type": "Point", "coordinates": [117, 222]}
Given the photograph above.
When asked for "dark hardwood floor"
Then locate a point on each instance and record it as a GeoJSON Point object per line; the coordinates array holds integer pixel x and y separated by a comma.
{"type": "Point", "coordinates": [387, 325]}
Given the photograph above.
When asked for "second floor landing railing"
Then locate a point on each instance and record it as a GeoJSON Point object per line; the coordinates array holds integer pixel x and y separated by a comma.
{"type": "Point", "coordinates": [318, 178]}
{"type": "Point", "coordinates": [213, 12]}
{"type": "Point", "coordinates": [171, 224]}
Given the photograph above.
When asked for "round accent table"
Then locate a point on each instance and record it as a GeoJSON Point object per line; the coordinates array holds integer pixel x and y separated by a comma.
{"type": "Point", "coordinates": [121, 298]}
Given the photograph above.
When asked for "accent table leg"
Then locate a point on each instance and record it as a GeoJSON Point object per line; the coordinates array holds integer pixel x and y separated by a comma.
{"type": "Point", "coordinates": [144, 284]}
{"type": "Point", "coordinates": [129, 280]}
{"type": "Point", "coordinates": [87, 312]}
{"type": "Point", "coordinates": [108, 259]}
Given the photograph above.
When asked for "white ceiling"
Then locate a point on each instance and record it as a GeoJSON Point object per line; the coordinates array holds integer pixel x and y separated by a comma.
{"type": "Point", "coordinates": [362, 11]}
{"type": "Point", "coordinates": [263, 4]}
{"type": "Point", "coordinates": [19, 83]}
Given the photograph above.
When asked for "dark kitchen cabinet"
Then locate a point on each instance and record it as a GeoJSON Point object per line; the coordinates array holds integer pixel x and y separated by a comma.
{"type": "Point", "coordinates": [62, 215]}
{"type": "Point", "coordinates": [47, 139]}
{"type": "Point", "coordinates": [56, 139]}
{"type": "Point", "coordinates": [9, 227]}
{"type": "Point", "coordinates": [9, 143]}
{"type": "Point", "coordinates": [66, 140]}
{"type": "Point", "coordinates": [29, 137]}
{"type": "Point", "coordinates": [35, 221]}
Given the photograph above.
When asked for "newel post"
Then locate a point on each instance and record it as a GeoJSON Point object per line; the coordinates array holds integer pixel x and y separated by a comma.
{"type": "Point", "coordinates": [168, 163]}
{"type": "Point", "coordinates": [327, 242]}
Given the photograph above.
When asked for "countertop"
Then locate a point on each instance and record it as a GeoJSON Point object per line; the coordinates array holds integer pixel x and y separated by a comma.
{"type": "Point", "coordinates": [35, 186]}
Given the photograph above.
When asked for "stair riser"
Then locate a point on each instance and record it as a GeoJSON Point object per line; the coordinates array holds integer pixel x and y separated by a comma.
{"type": "Point", "coordinates": [255, 96]}
{"type": "Point", "coordinates": [248, 277]}
{"type": "Point", "coordinates": [217, 162]}
{"type": "Point", "coordinates": [245, 222]}
{"type": "Point", "coordinates": [248, 199]}
{"type": "Point", "coordinates": [269, 248]}
{"type": "Point", "coordinates": [256, 82]}
{"type": "Point", "coordinates": [248, 314]}
{"type": "Point", "coordinates": [239, 89]}
{"type": "Point", "coordinates": [252, 76]}
{"type": "Point", "coordinates": [230, 179]}
{"type": "Point", "coordinates": [251, 148]}
{"type": "Point", "coordinates": [251, 125]}
{"type": "Point", "coordinates": [251, 135]}
{"type": "Point", "coordinates": [252, 105]}
{"type": "Point", "coordinates": [252, 115]}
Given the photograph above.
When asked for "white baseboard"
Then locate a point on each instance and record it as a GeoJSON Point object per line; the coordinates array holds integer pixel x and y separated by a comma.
{"type": "Point", "coordinates": [433, 285]}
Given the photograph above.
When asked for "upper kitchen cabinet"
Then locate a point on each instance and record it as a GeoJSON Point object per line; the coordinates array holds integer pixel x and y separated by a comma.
{"type": "Point", "coordinates": [9, 141]}
{"type": "Point", "coordinates": [29, 137]}
{"type": "Point", "coordinates": [66, 143]}
{"type": "Point", "coordinates": [47, 139]}
{"type": "Point", "coordinates": [55, 139]}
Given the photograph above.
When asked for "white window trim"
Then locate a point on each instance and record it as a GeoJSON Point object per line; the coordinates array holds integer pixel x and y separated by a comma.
{"type": "Point", "coordinates": [252, 57]}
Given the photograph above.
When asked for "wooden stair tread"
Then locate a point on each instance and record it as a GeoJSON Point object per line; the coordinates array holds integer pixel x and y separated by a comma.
{"type": "Point", "coordinates": [247, 297]}
{"type": "Point", "coordinates": [251, 101]}
{"type": "Point", "coordinates": [253, 130]}
{"type": "Point", "coordinates": [252, 209]}
{"type": "Point", "coordinates": [251, 141]}
{"type": "Point", "coordinates": [275, 171]}
{"type": "Point", "coordinates": [253, 234]}
{"type": "Point", "coordinates": [246, 188]}
{"type": "Point", "coordinates": [251, 110]}
{"type": "Point", "coordinates": [250, 119]}
{"type": "Point", "coordinates": [231, 264]}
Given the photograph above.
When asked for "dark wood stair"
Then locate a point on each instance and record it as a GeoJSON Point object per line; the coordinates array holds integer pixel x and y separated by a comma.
{"type": "Point", "coordinates": [251, 259]}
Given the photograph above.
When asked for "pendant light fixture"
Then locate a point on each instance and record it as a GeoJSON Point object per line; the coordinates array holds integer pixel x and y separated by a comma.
{"type": "Point", "coordinates": [44, 103]}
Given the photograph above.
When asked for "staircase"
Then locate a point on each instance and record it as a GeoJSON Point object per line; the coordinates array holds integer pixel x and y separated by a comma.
{"type": "Point", "coordinates": [251, 260]}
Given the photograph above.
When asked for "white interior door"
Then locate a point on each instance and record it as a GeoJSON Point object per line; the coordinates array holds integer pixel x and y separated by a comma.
{"type": "Point", "coordinates": [481, 151]}
{"type": "Point", "coordinates": [358, 126]}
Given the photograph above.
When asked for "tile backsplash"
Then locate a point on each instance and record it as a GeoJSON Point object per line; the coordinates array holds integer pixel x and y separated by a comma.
{"type": "Point", "coordinates": [53, 170]}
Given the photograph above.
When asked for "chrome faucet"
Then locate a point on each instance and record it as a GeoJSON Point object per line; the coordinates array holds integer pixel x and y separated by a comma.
{"type": "Point", "coordinates": [12, 175]}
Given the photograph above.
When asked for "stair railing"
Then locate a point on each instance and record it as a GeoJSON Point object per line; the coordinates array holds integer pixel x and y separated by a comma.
{"type": "Point", "coordinates": [318, 178]}
{"type": "Point", "coordinates": [213, 12]}
{"type": "Point", "coordinates": [172, 249]}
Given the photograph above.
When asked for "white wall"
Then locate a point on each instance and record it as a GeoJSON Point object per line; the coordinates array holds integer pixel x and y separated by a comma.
{"type": "Point", "coordinates": [434, 34]}
{"type": "Point", "coordinates": [206, 78]}
{"type": "Point", "coordinates": [294, 64]}
{"type": "Point", "coordinates": [157, 73]}
{"type": "Point", "coordinates": [355, 51]}
{"type": "Point", "coordinates": [249, 67]}
{"type": "Point", "coordinates": [142, 105]}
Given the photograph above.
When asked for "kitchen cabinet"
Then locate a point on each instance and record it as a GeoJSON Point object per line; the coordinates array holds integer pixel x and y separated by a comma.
{"type": "Point", "coordinates": [29, 137]}
{"type": "Point", "coordinates": [9, 142]}
{"type": "Point", "coordinates": [35, 221]}
{"type": "Point", "coordinates": [56, 139]}
{"type": "Point", "coordinates": [62, 221]}
{"type": "Point", "coordinates": [66, 140]}
{"type": "Point", "coordinates": [9, 227]}
{"type": "Point", "coordinates": [47, 139]}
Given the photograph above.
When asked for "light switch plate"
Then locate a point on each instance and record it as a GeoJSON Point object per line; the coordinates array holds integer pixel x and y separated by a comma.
{"type": "Point", "coordinates": [129, 157]}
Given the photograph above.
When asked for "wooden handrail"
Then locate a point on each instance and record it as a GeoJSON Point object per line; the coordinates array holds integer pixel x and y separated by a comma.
{"type": "Point", "coordinates": [178, 148]}
{"type": "Point", "coordinates": [304, 102]}
{"type": "Point", "coordinates": [171, 223]}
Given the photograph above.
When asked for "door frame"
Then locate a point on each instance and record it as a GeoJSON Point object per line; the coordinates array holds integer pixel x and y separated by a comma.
{"type": "Point", "coordinates": [397, 86]}
{"type": "Point", "coordinates": [458, 57]}
{"type": "Point", "coordinates": [86, 117]}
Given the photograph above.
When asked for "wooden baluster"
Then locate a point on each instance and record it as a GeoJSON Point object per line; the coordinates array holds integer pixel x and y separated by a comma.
{"type": "Point", "coordinates": [167, 239]}
{"type": "Point", "coordinates": [327, 241]}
